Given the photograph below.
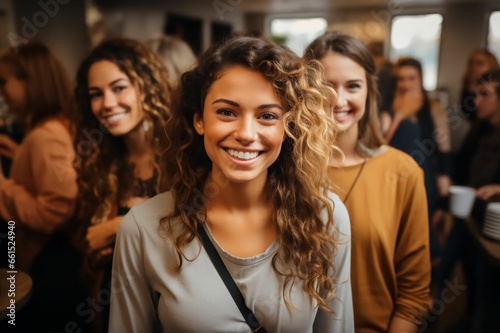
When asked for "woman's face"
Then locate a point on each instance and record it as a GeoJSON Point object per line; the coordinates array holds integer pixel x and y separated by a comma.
{"type": "Point", "coordinates": [113, 98]}
{"type": "Point", "coordinates": [408, 79]}
{"type": "Point", "coordinates": [12, 89]}
{"type": "Point", "coordinates": [487, 102]}
{"type": "Point", "coordinates": [348, 79]}
{"type": "Point", "coordinates": [242, 125]}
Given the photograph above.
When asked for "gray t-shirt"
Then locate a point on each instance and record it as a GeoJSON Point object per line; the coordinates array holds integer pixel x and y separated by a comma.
{"type": "Point", "coordinates": [149, 295]}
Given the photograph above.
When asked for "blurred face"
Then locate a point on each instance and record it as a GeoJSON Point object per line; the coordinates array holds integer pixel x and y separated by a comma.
{"type": "Point", "coordinates": [12, 89]}
{"type": "Point", "coordinates": [242, 125]}
{"type": "Point", "coordinates": [478, 64]}
{"type": "Point", "coordinates": [348, 79]}
{"type": "Point", "coordinates": [113, 98]}
{"type": "Point", "coordinates": [408, 79]}
{"type": "Point", "coordinates": [487, 102]}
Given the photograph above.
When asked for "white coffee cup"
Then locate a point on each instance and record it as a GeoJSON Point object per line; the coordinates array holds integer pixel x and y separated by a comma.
{"type": "Point", "coordinates": [461, 200]}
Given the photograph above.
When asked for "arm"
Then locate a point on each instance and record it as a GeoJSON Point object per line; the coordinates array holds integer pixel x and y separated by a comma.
{"type": "Point", "coordinates": [443, 141]}
{"type": "Point", "coordinates": [412, 257]}
{"type": "Point", "coordinates": [400, 325]}
{"type": "Point", "coordinates": [343, 318]}
{"type": "Point", "coordinates": [133, 305]}
{"type": "Point", "coordinates": [488, 191]}
{"type": "Point", "coordinates": [54, 180]}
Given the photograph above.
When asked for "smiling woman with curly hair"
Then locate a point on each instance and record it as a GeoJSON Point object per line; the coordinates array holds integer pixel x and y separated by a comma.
{"type": "Point", "coordinates": [124, 99]}
{"type": "Point", "coordinates": [249, 140]}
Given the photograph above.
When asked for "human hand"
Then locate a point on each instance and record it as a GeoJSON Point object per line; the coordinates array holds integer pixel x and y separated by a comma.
{"type": "Point", "coordinates": [407, 103]}
{"type": "Point", "coordinates": [102, 235]}
{"type": "Point", "coordinates": [443, 185]}
{"type": "Point", "coordinates": [8, 147]}
{"type": "Point", "coordinates": [488, 191]}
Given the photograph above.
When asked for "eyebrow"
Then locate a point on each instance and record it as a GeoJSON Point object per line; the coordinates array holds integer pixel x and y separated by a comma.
{"type": "Point", "coordinates": [263, 106]}
{"type": "Point", "coordinates": [110, 84]}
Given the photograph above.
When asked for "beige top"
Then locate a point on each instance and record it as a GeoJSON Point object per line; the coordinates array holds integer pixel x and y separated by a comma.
{"type": "Point", "coordinates": [41, 191]}
{"type": "Point", "coordinates": [149, 295]}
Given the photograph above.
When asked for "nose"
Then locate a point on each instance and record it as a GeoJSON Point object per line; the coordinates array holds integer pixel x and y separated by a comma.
{"type": "Point", "coordinates": [247, 130]}
{"type": "Point", "coordinates": [109, 100]}
{"type": "Point", "coordinates": [341, 100]}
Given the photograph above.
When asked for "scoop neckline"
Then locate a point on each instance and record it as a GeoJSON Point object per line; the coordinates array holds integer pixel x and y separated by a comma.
{"type": "Point", "coordinates": [271, 250]}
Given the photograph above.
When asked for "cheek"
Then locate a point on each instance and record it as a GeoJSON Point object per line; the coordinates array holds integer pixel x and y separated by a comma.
{"type": "Point", "coordinates": [95, 106]}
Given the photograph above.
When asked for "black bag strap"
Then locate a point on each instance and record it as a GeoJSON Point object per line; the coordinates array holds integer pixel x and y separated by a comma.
{"type": "Point", "coordinates": [229, 282]}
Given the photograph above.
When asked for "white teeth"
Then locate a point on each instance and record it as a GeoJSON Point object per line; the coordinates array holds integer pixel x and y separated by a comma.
{"type": "Point", "coordinates": [242, 155]}
{"type": "Point", "coordinates": [115, 117]}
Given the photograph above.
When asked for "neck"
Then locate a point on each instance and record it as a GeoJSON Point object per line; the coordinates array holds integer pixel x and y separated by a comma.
{"type": "Point", "coordinates": [234, 197]}
{"type": "Point", "coordinates": [135, 141]}
{"type": "Point", "coordinates": [348, 143]}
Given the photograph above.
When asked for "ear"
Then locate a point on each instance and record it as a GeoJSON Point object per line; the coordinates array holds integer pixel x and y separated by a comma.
{"type": "Point", "coordinates": [198, 123]}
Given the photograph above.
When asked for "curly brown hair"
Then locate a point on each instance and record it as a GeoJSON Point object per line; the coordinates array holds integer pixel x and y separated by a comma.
{"type": "Point", "coordinates": [103, 170]}
{"type": "Point", "coordinates": [297, 182]}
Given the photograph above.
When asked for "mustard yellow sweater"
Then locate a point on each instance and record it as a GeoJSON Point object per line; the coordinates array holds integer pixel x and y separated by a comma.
{"type": "Point", "coordinates": [390, 269]}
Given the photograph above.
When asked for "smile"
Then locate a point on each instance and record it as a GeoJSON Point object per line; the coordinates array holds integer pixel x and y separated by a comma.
{"type": "Point", "coordinates": [340, 115]}
{"type": "Point", "coordinates": [242, 155]}
{"type": "Point", "coordinates": [114, 117]}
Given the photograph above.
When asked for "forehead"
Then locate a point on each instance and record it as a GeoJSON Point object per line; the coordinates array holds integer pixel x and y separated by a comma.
{"type": "Point", "coordinates": [407, 71]}
{"type": "Point", "coordinates": [341, 68]}
{"type": "Point", "coordinates": [239, 82]}
{"type": "Point", "coordinates": [103, 72]}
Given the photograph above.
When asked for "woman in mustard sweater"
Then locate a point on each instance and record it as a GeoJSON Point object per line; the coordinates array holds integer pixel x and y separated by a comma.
{"type": "Point", "coordinates": [383, 190]}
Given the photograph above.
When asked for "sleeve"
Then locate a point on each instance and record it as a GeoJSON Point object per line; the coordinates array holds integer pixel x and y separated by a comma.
{"type": "Point", "coordinates": [342, 320]}
{"type": "Point", "coordinates": [412, 255]}
{"type": "Point", "coordinates": [54, 180]}
{"type": "Point", "coordinates": [133, 302]}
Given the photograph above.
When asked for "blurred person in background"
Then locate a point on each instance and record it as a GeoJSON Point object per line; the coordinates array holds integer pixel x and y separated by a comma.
{"type": "Point", "coordinates": [175, 53]}
{"type": "Point", "coordinates": [411, 102]}
{"type": "Point", "coordinates": [477, 166]}
{"type": "Point", "coordinates": [40, 193]}
{"type": "Point", "coordinates": [123, 95]}
{"type": "Point", "coordinates": [479, 62]}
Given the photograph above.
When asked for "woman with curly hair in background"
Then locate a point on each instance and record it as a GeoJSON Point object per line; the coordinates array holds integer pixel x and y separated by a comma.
{"type": "Point", "coordinates": [123, 96]}
{"type": "Point", "coordinates": [249, 140]}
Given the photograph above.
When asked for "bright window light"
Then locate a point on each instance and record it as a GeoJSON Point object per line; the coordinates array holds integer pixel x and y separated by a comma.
{"type": "Point", "coordinates": [418, 36]}
{"type": "Point", "coordinates": [494, 34]}
{"type": "Point", "coordinates": [297, 33]}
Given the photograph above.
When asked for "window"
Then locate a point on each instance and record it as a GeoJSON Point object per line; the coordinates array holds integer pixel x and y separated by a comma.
{"type": "Point", "coordinates": [297, 33]}
{"type": "Point", "coordinates": [494, 34]}
{"type": "Point", "coordinates": [418, 36]}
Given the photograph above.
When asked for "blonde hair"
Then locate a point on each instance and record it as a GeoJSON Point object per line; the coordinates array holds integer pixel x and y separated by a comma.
{"type": "Point", "coordinates": [297, 182]}
{"type": "Point", "coordinates": [175, 53]}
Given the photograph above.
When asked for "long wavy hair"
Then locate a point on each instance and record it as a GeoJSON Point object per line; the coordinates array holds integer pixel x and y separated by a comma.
{"type": "Point", "coordinates": [297, 181]}
{"type": "Point", "coordinates": [369, 126]}
{"type": "Point", "coordinates": [103, 170]}
{"type": "Point", "coordinates": [48, 86]}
